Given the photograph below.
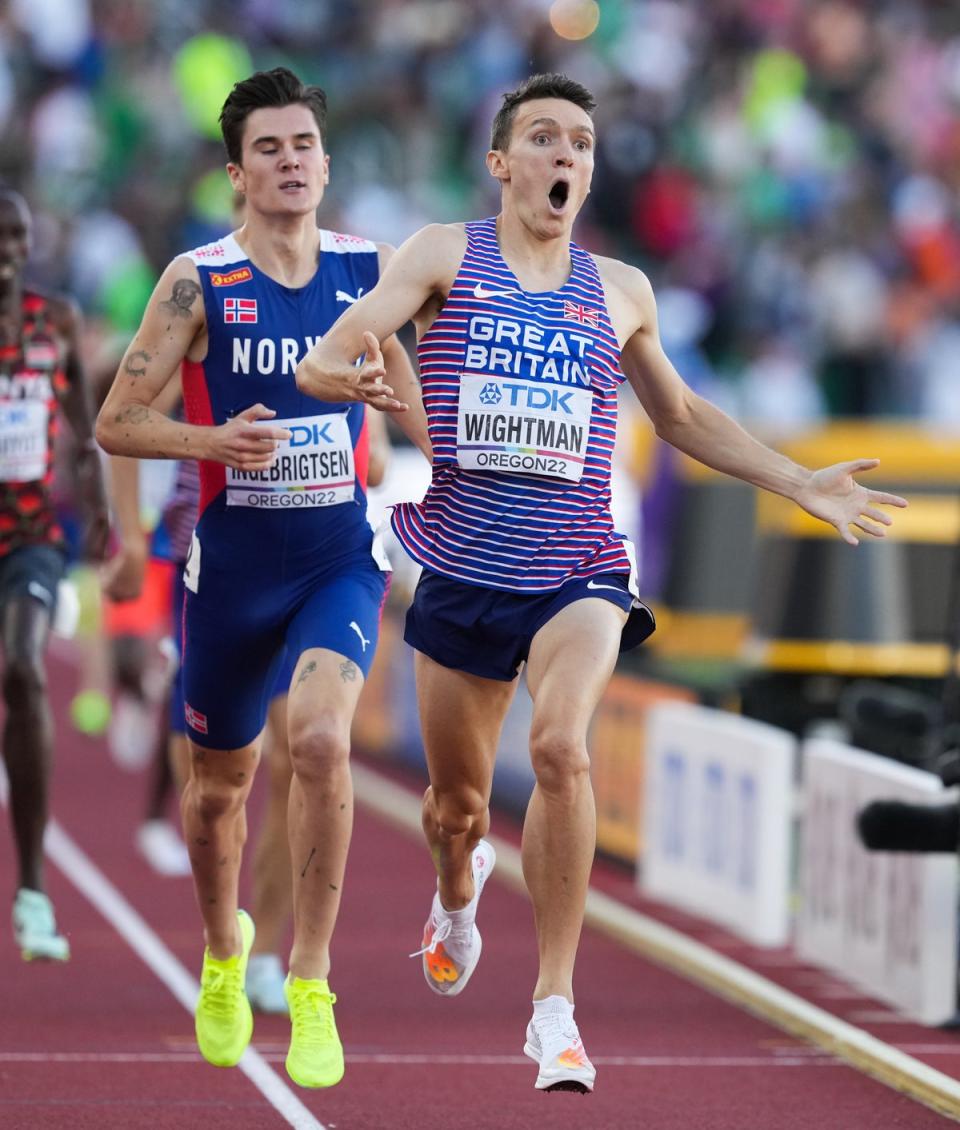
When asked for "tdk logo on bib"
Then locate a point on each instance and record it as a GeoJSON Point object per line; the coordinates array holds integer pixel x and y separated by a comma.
{"type": "Point", "coordinates": [304, 434]}
{"type": "Point", "coordinates": [526, 395]}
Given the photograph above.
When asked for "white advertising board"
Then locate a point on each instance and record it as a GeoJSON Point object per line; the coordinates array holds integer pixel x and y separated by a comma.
{"type": "Point", "coordinates": [718, 811]}
{"type": "Point", "coordinates": [885, 921]}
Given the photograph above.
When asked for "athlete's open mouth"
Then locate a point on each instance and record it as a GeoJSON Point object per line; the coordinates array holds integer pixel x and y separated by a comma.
{"type": "Point", "coordinates": [293, 184]}
{"type": "Point", "coordinates": [558, 194]}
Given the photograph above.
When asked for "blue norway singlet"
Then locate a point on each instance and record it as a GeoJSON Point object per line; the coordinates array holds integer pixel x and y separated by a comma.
{"type": "Point", "coordinates": [520, 391]}
{"type": "Point", "coordinates": [310, 507]}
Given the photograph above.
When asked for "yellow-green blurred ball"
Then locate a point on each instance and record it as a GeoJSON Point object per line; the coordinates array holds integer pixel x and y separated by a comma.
{"type": "Point", "coordinates": [205, 70]}
{"type": "Point", "coordinates": [90, 713]}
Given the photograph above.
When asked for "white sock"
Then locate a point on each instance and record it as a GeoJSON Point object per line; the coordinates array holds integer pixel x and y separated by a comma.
{"type": "Point", "coordinates": [551, 1005]}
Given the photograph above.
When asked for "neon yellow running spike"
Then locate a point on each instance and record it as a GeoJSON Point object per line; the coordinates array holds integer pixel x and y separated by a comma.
{"type": "Point", "coordinates": [315, 1058]}
{"type": "Point", "coordinates": [224, 1021]}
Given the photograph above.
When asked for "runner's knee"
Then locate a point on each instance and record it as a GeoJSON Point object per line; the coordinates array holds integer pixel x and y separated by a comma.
{"type": "Point", "coordinates": [319, 749]}
{"type": "Point", "coordinates": [219, 785]}
{"type": "Point", "coordinates": [559, 762]}
{"type": "Point", "coordinates": [457, 810]}
{"type": "Point", "coordinates": [215, 795]}
{"type": "Point", "coordinates": [24, 680]}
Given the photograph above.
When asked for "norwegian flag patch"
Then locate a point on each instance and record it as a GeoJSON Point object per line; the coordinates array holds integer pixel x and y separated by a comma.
{"type": "Point", "coordinates": [194, 719]}
{"type": "Point", "coordinates": [583, 314]}
{"type": "Point", "coordinates": [239, 309]}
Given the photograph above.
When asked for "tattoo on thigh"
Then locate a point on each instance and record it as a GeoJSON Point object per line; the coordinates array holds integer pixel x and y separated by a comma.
{"type": "Point", "coordinates": [313, 852]}
{"type": "Point", "coordinates": [308, 670]}
{"type": "Point", "coordinates": [348, 671]}
{"type": "Point", "coordinates": [182, 297]}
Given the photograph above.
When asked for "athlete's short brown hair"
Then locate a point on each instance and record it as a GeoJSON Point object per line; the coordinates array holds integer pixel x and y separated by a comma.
{"type": "Point", "coordinates": [537, 86]}
{"type": "Point", "coordinates": [279, 87]}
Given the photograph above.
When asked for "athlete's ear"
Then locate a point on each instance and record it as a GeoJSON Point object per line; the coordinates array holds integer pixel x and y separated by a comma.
{"type": "Point", "coordinates": [497, 165]}
{"type": "Point", "coordinates": [237, 178]}
{"type": "Point", "coordinates": [326, 168]}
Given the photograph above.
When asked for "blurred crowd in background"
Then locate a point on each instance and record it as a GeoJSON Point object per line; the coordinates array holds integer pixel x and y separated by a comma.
{"type": "Point", "coordinates": [785, 170]}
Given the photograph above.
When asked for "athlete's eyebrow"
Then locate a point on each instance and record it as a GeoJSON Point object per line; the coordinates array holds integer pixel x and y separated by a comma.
{"type": "Point", "coordinates": [270, 139]}
{"type": "Point", "coordinates": [581, 128]}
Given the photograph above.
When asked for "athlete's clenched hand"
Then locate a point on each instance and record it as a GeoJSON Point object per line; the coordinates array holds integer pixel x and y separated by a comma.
{"type": "Point", "coordinates": [245, 443]}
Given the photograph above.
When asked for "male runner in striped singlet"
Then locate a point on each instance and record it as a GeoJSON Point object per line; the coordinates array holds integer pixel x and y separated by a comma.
{"type": "Point", "coordinates": [524, 338]}
{"type": "Point", "coordinates": [41, 378]}
{"type": "Point", "coordinates": [283, 556]}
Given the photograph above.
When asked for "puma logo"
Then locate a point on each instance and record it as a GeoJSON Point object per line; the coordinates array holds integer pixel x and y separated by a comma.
{"type": "Point", "coordinates": [363, 638]}
{"type": "Point", "coordinates": [342, 296]}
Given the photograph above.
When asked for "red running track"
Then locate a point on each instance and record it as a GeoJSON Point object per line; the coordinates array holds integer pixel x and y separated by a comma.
{"type": "Point", "coordinates": [103, 1042]}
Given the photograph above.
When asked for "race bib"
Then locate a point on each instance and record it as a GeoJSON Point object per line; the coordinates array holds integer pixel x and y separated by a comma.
{"type": "Point", "coordinates": [314, 467]}
{"type": "Point", "coordinates": [23, 440]}
{"type": "Point", "coordinates": [524, 427]}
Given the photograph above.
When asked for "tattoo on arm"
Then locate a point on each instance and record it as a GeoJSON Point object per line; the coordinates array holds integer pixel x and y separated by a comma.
{"type": "Point", "coordinates": [181, 299]}
{"type": "Point", "coordinates": [137, 363]}
{"type": "Point", "coordinates": [313, 852]}
{"type": "Point", "coordinates": [305, 673]}
{"type": "Point", "coordinates": [348, 671]}
{"type": "Point", "coordinates": [132, 414]}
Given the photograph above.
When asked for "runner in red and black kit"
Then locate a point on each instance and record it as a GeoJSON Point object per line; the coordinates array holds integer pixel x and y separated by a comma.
{"type": "Point", "coordinates": [41, 380]}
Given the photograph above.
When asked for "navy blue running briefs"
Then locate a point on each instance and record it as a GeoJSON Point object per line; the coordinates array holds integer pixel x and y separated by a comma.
{"type": "Point", "coordinates": [488, 632]}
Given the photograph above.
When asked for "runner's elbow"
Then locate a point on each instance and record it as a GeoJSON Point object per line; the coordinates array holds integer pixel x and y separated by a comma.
{"type": "Point", "coordinates": [303, 376]}
{"type": "Point", "coordinates": [104, 432]}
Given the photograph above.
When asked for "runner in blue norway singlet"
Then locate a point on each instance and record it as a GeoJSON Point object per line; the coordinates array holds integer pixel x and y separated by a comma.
{"type": "Point", "coordinates": [283, 557]}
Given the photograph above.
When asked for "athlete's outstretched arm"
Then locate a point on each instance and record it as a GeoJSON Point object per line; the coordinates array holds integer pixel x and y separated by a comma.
{"type": "Point", "coordinates": [129, 424]}
{"type": "Point", "coordinates": [419, 274]}
{"type": "Point", "coordinates": [701, 430]}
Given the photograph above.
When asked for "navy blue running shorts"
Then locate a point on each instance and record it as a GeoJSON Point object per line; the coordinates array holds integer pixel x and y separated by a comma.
{"type": "Point", "coordinates": [236, 639]}
{"type": "Point", "coordinates": [488, 632]}
{"type": "Point", "coordinates": [178, 721]}
{"type": "Point", "coordinates": [32, 570]}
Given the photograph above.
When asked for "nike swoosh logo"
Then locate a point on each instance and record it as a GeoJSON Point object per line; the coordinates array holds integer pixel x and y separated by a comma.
{"type": "Point", "coordinates": [480, 292]}
{"type": "Point", "coordinates": [594, 585]}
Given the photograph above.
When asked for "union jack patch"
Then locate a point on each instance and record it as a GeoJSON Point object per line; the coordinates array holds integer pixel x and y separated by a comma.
{"type": "Point", "coordinates": [583, 314]}
{"type": "Point", "coordinates": [239, 309]}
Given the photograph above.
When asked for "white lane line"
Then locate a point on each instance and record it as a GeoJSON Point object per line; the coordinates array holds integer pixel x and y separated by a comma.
{"type": "Point", "coordinates": [94, 885]}
{"type": "Point", "coordinates": [409, 1058]}
{"type": "Point", "coordinates": [695, 962]}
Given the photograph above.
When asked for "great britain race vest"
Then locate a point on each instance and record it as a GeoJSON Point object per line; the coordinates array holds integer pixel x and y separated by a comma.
{"type": "Point", "coordinates": [520, 391]}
